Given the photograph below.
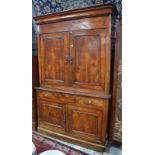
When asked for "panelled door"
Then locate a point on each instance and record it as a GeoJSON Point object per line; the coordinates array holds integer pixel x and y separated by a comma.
{"type": "Point", "coordinates": [53, 57]}
{"type": "Point", "coordinates": [52, 115]}
{"type": "Point", "coordinates": [85, 123]}
{"type": "Point", "coordinates": [78, 59]}
{"type": "Point", "coordinates": [88, 54]}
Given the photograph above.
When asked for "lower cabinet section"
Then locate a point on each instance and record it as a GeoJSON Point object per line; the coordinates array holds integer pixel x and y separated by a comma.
{"type": "Point", "coordinates": [78, 119]}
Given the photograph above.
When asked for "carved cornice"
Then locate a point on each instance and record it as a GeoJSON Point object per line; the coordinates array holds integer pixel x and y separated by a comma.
{"type": "Point", "coordinates": [94, 11]}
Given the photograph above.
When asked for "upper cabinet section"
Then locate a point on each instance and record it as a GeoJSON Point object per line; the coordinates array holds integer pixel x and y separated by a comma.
{"type": "Point", "coordinates": [74, 49]}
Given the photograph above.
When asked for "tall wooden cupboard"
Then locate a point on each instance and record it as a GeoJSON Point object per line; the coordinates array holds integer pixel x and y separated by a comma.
{"type": "Point", "coordinates": [74, 69]}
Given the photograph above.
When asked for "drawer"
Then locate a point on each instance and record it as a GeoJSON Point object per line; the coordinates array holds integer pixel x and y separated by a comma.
{"type": "Point", "coordinates": [89, 101]}
{"type": "Point", "coordinates": [57, 97]}
{"type": "Point", "coordinates": [72, 99]}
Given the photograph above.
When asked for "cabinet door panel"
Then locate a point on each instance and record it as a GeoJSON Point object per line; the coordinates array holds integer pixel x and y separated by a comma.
{"type": "Point", "coordinates": [87, 59]}
{"type": "Point", "coordinates": [54, 50]}
{"type": "Point", "coordinates": [85, 123]}
{"type": "Point", "coordinates": [88, 51]}
{"type": "Point", "coordinates": [52, 115]}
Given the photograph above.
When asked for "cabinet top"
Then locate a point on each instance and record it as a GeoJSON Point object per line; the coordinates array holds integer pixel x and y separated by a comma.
{"type": "Point", "coordinates": [93, 11]}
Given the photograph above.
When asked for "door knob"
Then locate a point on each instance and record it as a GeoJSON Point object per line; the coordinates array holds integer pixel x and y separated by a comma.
{"type": "Point", "coordinates": [45, 94]}
{"type": "Point", "coordinates": [89, 101]}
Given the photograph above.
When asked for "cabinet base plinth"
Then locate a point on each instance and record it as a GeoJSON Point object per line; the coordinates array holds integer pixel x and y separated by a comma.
{"type": "Point", "coordinates": [87, 144]}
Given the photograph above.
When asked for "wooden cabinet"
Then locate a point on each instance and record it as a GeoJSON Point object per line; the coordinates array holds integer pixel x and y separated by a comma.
{"type": "Point", "coordinates": [74, 68]}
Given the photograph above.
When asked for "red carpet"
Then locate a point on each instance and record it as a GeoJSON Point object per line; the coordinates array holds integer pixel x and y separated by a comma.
{"type": "Point", "coordinates": [44, 143]}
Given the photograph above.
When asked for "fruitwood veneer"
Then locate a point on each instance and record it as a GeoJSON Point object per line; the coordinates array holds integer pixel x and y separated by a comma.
{"type": "Point", "coordinates": [74, 70]}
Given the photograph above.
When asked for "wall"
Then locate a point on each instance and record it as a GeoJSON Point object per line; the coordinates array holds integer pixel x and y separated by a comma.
{"type": "Point", "coordinates": [42, 7]}
{"type": "Point", "coordinates": [117, 91]}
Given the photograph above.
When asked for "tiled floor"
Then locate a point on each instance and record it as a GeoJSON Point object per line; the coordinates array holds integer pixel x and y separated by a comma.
{"type": "Point", "coordinates": [114, 150]}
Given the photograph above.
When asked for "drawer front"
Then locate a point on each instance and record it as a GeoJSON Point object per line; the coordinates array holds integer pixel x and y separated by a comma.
{"type": "Point", "coordinates": [51, 115]}
{"type": "Point", "coordinates": [57, 97]}
{"type": "Point", "coordinates": [91, 102]}
{"type": "Point", "coordinates": [72, 99]}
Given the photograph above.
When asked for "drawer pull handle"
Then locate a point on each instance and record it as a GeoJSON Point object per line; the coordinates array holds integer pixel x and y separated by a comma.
{"type": "Point", "coordinates": [89, 101]}
{"type": "Point", "coordinates": [46, 95]}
